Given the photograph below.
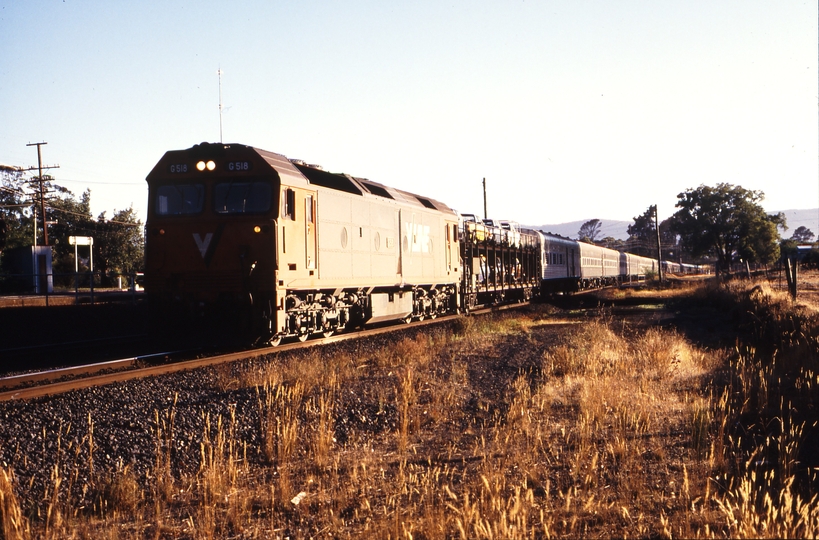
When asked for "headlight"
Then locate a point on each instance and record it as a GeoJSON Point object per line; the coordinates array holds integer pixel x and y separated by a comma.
{"type": "Point", "coordinates": [209, 165]}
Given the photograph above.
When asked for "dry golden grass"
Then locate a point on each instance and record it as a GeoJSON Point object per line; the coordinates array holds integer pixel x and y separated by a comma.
{"type": "Point", "coordinates": [506, 427]}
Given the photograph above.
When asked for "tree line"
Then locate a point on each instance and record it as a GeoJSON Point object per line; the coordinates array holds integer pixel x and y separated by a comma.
{"type": "Point", "coordinates": [723, 224]}
{"type": "Point", "coordinates": [118, 240]}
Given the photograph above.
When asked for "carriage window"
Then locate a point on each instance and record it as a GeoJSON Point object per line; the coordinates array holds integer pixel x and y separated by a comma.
{"type": "Point", "coordinates": [179, 199]}
{"type": "Point", "coordinates": [246, 197]}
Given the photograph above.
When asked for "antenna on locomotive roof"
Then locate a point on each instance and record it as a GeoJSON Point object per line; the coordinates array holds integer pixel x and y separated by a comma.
{"type": "Point", "coordinates": [219, 72]}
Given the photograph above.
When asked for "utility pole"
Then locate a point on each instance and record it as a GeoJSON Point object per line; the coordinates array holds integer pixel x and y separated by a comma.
{"type": "Point", "coordinates": [40, 168]}
{"type": "Point", "coordinates": [659, 251]}
{"type": "Point", "coordinates": [484, 199]}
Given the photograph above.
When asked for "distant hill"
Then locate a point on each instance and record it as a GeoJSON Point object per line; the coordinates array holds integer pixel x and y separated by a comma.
{"type": "Point", "coordinates": [608, 227]}
{"type": "Point", "coordinates": [801, 218]}
{"type": "Point", "coordinates": [619, 229]}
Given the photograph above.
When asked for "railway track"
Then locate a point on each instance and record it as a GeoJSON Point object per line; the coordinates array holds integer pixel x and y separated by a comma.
{"type": "Point", "coordinates": [28, 379]}
{"type": "Point", "coordinates": [59, 381]}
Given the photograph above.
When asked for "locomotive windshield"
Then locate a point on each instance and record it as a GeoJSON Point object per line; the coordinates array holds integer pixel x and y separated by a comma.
{"type": "Point", "coordinates": [179, 199]}
{"type": "Point", "coordinates": [245, 197]}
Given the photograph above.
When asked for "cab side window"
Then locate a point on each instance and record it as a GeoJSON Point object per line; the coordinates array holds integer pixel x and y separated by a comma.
{"type": "Point", "coordinates": [288, 204]}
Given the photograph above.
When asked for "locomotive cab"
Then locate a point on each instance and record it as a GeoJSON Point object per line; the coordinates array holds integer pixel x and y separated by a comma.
{"type": "Point", "coordinates": [213, 218]}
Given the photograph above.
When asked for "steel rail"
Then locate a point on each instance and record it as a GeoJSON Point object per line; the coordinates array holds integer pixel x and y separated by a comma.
{"type": "Point", "coordinates": [15, 381]}
{"type": "Point", "coordinates": [61, 387]}
{"type": "Point", "coordinates": [126, 374]}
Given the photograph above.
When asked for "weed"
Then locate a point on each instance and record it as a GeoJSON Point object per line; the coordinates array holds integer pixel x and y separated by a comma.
{"type": "Point", "coordinates": [15, 526]}
{"type": "Point", "coordinates": [509, 428]}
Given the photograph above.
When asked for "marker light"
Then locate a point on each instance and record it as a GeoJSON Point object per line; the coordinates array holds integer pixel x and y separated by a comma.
{"type": "Point", "coordinates": [161, 232]}
{"type": "Point", "coordinates": [200, 166]}
{"type": "Point", "coordinates": [257, 229]}
{"type": "Point", "coordinates": [211, 165]}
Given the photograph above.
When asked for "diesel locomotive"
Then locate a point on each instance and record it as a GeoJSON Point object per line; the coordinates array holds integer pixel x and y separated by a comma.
{"type": "Point", "coordinates": [294, 250]}
{"type": "Point", "coordinates": [301, 250]}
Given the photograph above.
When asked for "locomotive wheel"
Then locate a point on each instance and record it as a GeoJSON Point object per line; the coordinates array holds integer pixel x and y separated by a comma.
{"type": "Point", "coordinates": [327, 333]}
{"type": "Point", "coordinates": [274, 341]}
{"type": "Point", "coordinates": [303, 337]}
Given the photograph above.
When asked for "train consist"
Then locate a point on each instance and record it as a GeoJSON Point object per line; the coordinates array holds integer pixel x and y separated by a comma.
{"type": "Point", "coordinates": [295, 250]}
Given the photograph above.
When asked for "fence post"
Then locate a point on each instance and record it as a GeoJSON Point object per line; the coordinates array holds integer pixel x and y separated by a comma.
{"type": "Point", "coordinates": [790, 276]}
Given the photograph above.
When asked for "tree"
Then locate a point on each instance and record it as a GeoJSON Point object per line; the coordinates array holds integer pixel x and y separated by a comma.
{"type": "Point", "coordinates": [642, 239]}
{"type": "Point", "coordinates": [119, 242]}
{"type": "Point", "coordinates": [788, 248]}
{"type": "Point", "coordinates": [803, 235]}
{"type": "Point", "coordinates": [14, 208]}
{"type": "Point", "coordinates": [727, 221]}
{"type": "Point", "coordinates": [72, 217]}
{"type": "Point", "coordinates": [760, 241]}
{"type": "Point", "coordinates": [612, 243]}
{"type": "Point", "coordinates": [642, 235]}
{"type": "Point", "coordinates": [589, 230]}
{"type": "Point", "coordinates": [672, 250]}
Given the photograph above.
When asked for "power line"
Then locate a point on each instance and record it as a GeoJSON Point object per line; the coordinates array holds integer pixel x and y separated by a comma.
{"type": "Point", "coordinates": [91, 219]}
{"type": "Point", "coordinates": [105, 183]}
{"type": "Point", "coordinates": [10, 190]}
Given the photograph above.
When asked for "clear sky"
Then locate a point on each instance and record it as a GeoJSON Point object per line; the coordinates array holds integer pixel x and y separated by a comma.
{"type": "Point", "coordinates": [570, 109]}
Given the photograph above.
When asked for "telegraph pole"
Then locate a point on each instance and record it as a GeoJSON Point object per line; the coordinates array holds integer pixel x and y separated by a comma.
{"type": "Point", "coordinates": [484, 199]}
{"type": "Point", "coordinates": [42, 192]}
{"type": "Point", "coordinates": [659, 251]}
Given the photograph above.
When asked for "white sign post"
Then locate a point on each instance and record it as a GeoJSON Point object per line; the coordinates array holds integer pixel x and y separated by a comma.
{"type": "Point", "coordinates": [83, 241]}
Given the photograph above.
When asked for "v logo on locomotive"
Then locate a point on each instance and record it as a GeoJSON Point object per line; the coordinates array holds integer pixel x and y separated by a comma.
{"type": "Point", "coordinates": [203, 244]}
